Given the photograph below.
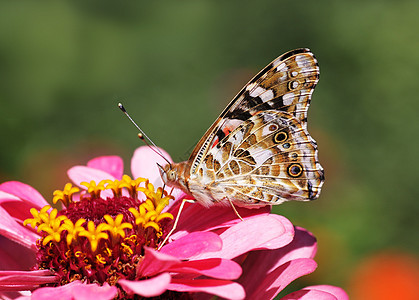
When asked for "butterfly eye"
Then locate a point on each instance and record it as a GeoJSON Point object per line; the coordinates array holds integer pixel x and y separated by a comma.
{"type": "Point", "coordinates": [295, 170]}
{"type": "Point", "coordinates": [171, 175]}
{"type": "Point", "coordinates": [280, 137]}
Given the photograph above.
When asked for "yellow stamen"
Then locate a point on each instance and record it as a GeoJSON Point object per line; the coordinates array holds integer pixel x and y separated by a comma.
{"type": "Point", "coordinates": [148, 205]}
{"type": "Point", "coordinates": [138, 215]}
{"type": "Point", "coordinates": [132, 238]}
{"type": "Point", "coordinates": [116, 227]}
{"type": "Point", "coordinates": [52, 228]}
{"type": "Point", "coordinates": [127, 249]}
{"type": "Point", "coordinates": [100, 259]}
{"type": "Point", "coordinates": [116, 186]}
{"type": "Point", "coordinates": [94, 189]}
{"type": "Point", "coordinates": [164, 216]}
{"type": "Point", "coordinates": [37, 216]}
{"type": "Point", "coordinates": [160, 199]}
{"type": "Point", "coordinates": [148, 215]}
{"type": "Point", "coordinates": [133, 184]}
{"type": "Point", "coordinates": [94, 234]}
{"type": "Point", "coordinates": [65, 196]}
{"type": "Point", "coordinates": [108, 251]}
{"type": "Point", "coordinates": [152, 224]}
{"type": "Point", "coordinates": [73, 230]}
{"type": "Point", "coordinates": [47, 222]}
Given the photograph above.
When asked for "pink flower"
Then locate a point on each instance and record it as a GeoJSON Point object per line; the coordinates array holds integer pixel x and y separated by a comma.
{"type": "Point", "coordinates": [104, 242]}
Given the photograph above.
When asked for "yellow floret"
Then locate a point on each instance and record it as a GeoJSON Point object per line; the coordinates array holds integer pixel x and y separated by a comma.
{"type": "Point", "coordinates": [65, 196]}
{"type": "Point", "coordinates": [94, 234]}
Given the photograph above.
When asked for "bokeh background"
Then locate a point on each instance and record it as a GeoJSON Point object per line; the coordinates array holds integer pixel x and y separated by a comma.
{"type": "Point", "coordinates": [64, 65]}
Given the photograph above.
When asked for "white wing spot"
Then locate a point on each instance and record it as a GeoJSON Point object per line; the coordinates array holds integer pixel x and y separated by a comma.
{"type": "Point", "coordinates": [303, 62]}
{"type": "Point", "coordinates": [257, 91]}
{"type": "Point", "coordinates": [287, 99]}
{"type": "Point", "coordinates": [250, 86]}
{"type": "Point", "coordinates": [282, 66]}
{"type": "Point", "coordinates": [259, 156]}
{"type": "Point", "coordinates": [267, 95]}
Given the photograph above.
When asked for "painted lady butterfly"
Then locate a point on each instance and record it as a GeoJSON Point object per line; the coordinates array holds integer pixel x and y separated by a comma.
{"type": "Point", "coordinates": [258, 152]}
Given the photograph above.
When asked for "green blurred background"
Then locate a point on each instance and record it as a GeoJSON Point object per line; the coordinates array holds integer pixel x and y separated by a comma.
{"type": "Point", "coordinates": [175, 65]}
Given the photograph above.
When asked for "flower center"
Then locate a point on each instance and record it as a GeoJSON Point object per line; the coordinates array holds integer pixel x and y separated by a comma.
{"type": "Point", "coordinates": [96, 239]}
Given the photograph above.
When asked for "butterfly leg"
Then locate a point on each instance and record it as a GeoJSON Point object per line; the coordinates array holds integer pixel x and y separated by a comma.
{"type": "Point", "coordinates": [176, 221]}
{"type": "Point", "coordinates": [235, 210]}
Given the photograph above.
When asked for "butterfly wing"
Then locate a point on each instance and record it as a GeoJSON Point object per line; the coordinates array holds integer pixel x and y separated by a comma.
{"type": "Point", "coordinates": [268, 159]}
{"type": "Point", "coordinates": [286, 84]}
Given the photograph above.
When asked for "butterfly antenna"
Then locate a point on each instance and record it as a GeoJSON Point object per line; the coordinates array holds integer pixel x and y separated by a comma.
{"type": "Point", "coordinates": [143, 136]}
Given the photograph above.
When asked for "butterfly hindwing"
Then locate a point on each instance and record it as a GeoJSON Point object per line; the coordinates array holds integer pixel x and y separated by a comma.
{"type": "Point", "coordinates": [267, 159]}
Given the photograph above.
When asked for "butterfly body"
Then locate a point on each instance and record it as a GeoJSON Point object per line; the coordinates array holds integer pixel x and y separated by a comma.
{"type": "Point", "coordinates": [258, 152]}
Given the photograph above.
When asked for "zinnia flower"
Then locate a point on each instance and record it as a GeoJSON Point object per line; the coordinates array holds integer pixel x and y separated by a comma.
{"type": "Point", "coordinates": [106, 241]}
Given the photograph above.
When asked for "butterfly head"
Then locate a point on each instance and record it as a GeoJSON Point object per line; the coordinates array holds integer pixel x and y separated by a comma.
{"type": "Point", "coordinates": [167, 173]}
{"type": "Point", "coordinates": [171, 174]}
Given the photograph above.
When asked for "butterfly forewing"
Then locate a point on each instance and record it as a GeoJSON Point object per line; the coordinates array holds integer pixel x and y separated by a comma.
{"type": "Point", "coordinates": [268, 159]}
{"type": "Point", "coordinates": [286, 84]}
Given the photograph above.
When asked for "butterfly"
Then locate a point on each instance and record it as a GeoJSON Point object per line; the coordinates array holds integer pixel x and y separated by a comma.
{"type": "Point", "coordinates": [258, 152]}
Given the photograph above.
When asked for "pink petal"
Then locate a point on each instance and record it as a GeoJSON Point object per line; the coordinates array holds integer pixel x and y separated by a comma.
{"type": "Point", "coordinates": [82, 173]}
{"type": "Point", "coordinates": [6, 197]}
{"type": "Point", "coordinates": [277, 280]}
{"type": "Point", "coordinates": [87, 291]}
{"type": "Point", "coordinates": [253, 233]}
{"type": "Point", "coordinates": [211, 218]}
{"type": "Point", "coordinates": [15, 231]}
{"type": "Point", "coordinates": [338, 292]}
{"type": "Point", "coordinates": [76, 291]}
{"type": "Point", "coordinates": [309, 295]}
{"type": "Point", "coordinates": [24, 192]}
{"type": "Point", "coordinates": [304, 245]}
{"type": "Point", "coordinates": [193, 244]}
{"type": "Point", "coordinates": [211, 267]}
{"type": "Point", "coordinates": [155, 262]}
{"type": "Point", "coordinates": [143, 164]}
{"type": "Point", "coordinates": [19, 298]}
{"type": "Point", "coordinates": [79, 174]}
{"type": "Point", "coordinates": [260, 263]}
{"type": "Point", "coordinates": [113, 165]}
{"type": "Point", "coordinates": [14, 256]}
{"type": "Point", "coordinates": [36, 272]}
{"type": "Point", "coordinates": [222, 288]}
{"type": "Point", "coordinates": [282, 239]}
{"type": "Point", "coordinates": [15, 206]}
{"type": "Point", "coordinates": [147, 288]}
{"type": "Point", "coordinates": [25, 280]}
